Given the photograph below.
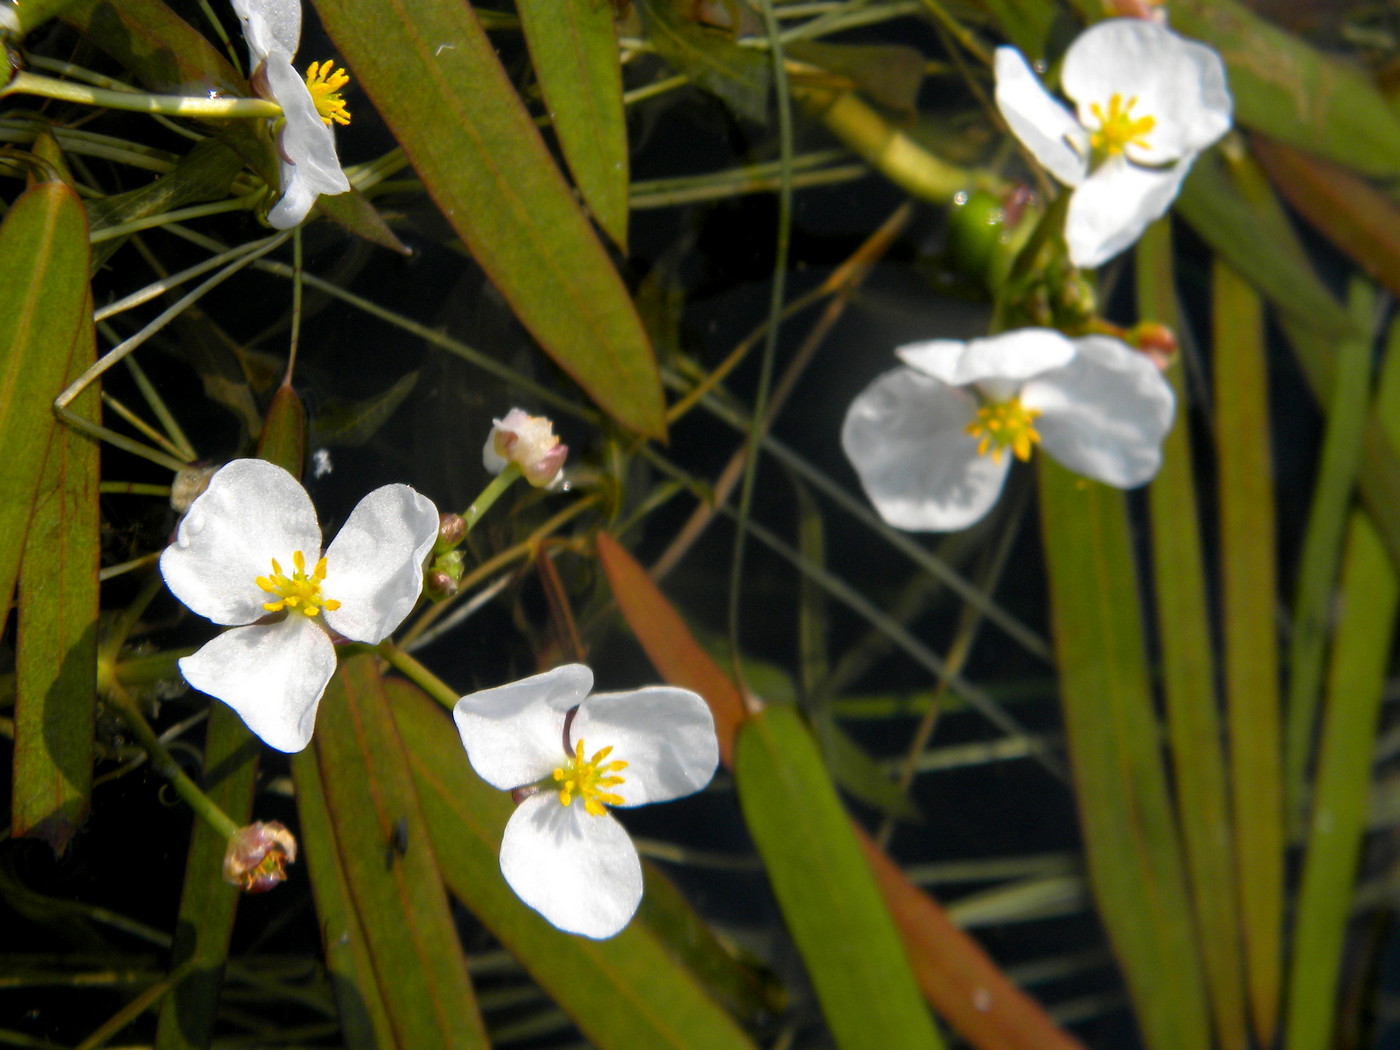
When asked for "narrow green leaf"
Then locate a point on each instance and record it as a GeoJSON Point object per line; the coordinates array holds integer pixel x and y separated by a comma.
{"type": "Point", "coordinates": [625, 993]}
{"type": "Point", "coordinates": [1356, 681]}
{"type": "Point", "coordinates": [364, 1019]}
{"type": "Point", "coordinates": [44, 309]}
{"type": "Point", "coordinates": [56, 641]}
{"type": "Point", "coordinates": [1292, 92]}
{"type": "Point", "coordinates": [433, 75]}
{"type": "Point", "coordinates": [33, 13]}
{"type": "Point", "coordinates": [1135, 861]}
{"type": "Point", "coordinates": [573, 45]}
{"type": "Point", "coordinates": [208, 905]}
{"type": "Point", "coordinates": [342, 422]}
{"type": "Point", "coordinates": [1249, 596]}
{"type": "Point", "coordinates": [282, 439]}
{"type": "Point", "coordinates": [1322, 548]}
{"type": "Point", "coordinates": [1188, 678]}
{"type": "Point", "coordinates": [710, 57]}
{"type": "Point", "coordinates": [1026, 23]}
{"type": "Point", "coordinates": [824, 887]}
{"type": "Point", "coordinates": [397, 893]}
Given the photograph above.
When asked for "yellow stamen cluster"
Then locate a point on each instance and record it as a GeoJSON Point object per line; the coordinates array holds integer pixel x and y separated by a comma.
{"type": "Point", "coordinates": [1005, 424]}
{"type": "Point", "coordinates": [324, 82]}
{"type": "Point", "coordinates": [1118, 129]}
{"type": "Point", "coordinates": [299, 592]}
{"type": "Point", "coordinates": [591, 780]}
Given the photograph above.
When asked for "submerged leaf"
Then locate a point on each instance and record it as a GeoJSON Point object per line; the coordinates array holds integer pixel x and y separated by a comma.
{"type": "Point", "coordinates": [710, 57]}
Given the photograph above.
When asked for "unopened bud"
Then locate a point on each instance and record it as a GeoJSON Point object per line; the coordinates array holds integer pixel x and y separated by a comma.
{"type": "Point", "coordinates": [188, 485]}
{"type": "Point", "coordinates": [257, 856]}
{"type": "Point", "coordinates": [1155, 340]}
{"type": "Point", "coordinates": [439, 585]}
{"type": "Point", "coordinates": [528, 441]}
{"type": "Point", "coordinates": [452, 528]}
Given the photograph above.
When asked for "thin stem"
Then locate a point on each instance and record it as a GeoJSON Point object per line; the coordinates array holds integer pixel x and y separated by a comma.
{"type": "Point", "coordinates": [490, 494]}
{"type": "Point", "coordinates": [419, 675]}
{"type": "Point", "coordinates": [24, 83]}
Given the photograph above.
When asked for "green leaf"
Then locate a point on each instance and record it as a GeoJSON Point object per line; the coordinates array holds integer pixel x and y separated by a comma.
{"type": "Point", "coordinates": [709, 57]}
{"type": "Point", "coordinates": [1025, 22]}
{"type": "Point", "coordinates": [45, 310]}
{"type": "Point", "coordinates": [1249, 596]}
{"type": "Point", "coordinates": [56, 641]}
{"type": "Point", "coordinates": [573, 45]}
{"type": "Point", "coordinates": [282, 439]}
{"type": "Point", "coordinates": [33, 13]}
{"type": "Point", "coordinates": [208, 905]}
{"type": "Point", "coordinates": [625, 993]}
{"type": "Point", "coordinates": [397, 893]}
{"type": "Point", "coordinates": [824, 887]}
{"type": "Point", "coordinates": [1125, 815]}
{"type": "Point", "coordinates": [341, 422]}
{"type": "Point", "coordinates": [890, 74]}
{"type": "Point", "coordinates": [1294, 93]}
{"type": "Point", "coordinates": [1188, 677]}
{"type": "Point", "coordinates": [433, 75]}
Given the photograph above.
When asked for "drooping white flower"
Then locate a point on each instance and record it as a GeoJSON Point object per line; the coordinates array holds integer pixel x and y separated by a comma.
{"type": "Point", "coordinates": [563, 853]}
{"type": "Point", "coordinates": [309, 164]}
{"type": "Point", "coordinates": [929, 440]}
{"type": "Point", "coordinates": [1148, 101]}
{"type": "Point", "coordinates": [249, 550]}
{"type": "Point", "coordinates": [529, 441]}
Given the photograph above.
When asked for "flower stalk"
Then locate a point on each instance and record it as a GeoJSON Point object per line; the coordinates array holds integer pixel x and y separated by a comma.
{"type": "Point", "coordinates": [24, 83]}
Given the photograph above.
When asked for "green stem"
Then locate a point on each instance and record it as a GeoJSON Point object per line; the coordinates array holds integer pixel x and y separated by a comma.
{"type": "Point", "coordinates": [25, 83]}
{"type": "Point", "coordinates": [164, 763]}
{"type": "Point", "coordinates": [490, 494]}
{"type": "Point", "coordinates": [419, 675]}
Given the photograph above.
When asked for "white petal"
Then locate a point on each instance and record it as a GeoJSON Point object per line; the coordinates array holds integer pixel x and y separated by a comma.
{"type": "Point", "coordinates": [252, 512]}
{"type": "Point", "coordinates": [514, 734]}
{"type": "Point", "coordinates": [273, 675]}
{"type": "Point", "coordinates": [310, 166]}
{"type": "Point", "coordinates": [665, 735]}
{"type": "Point", "coordinates": [1116, 203]}
{"type": "Point", "coordinates": [579, 871]}
{"type": "Point", "coordinates": [374, 566]}
{"type": "Point", "coordinates": [1015, 356]}
{"type": "Point", "coordinates": [269, 25]}
{"type": "Point", "coordinates": [1105, 414]}
{"type": "Point", "coordinates": [1044, 126]}
{"type": "Point", "coordinates": [904, 434]}
{"type": "Point", "coordinates": [1177, 82]}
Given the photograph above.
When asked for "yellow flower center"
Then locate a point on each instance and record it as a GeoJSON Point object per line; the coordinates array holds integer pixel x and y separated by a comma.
{"type": "Point", "coordinates": [1118, 128]}
{"type": "Point", "coordinates": [324, 82]}
{"type": "Point", "coordinates": [590, 779]}
{"type": "Point", "coordinates": [298, 592]}
{"type": "Point", "coordinates": [1000, 425]}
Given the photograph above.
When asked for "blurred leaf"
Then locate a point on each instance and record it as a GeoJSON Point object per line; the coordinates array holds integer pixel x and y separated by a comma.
{"type": "Point", "coordinates": [45, 309]}
{"type": "Point", "coordinates": [859, 774]}
{"type": "Point", "coordinates": [1294, 93]}
{"type": "Point", "coordinates": [956, 975]}
{"type": "Point", "coordinates": [711, 58]}
{"type": "Point", "coordinates": [364, 1019]}
{"type": "Point", "coordinates": [832, 907]}
{"type": "Point", "coordinates": [1026, 23]}
{"type": "Point", "coordinates": [56, 640]}
{"type": "Point", "coordinates": [397, 894]}
{"type": "Point", "coordinates": [573, 46]}
{"type": "Point", "coordinates": [340, 422]}
{"type": "Point", "coordinates": [1359, 219]}
{"type": "Point", "coordinates": [1249, 595]}
{"type": "Point", "coordinates": [1125, 815]}
{"type": "Point", "coordinates": [33, 13]}
{"type": "Point", "coordinates": [208, 905]}
{"type": "Point", "coordinates": [890, 74]}
{"type": "Point", "coordinates": [355, 212]}
{"type": "Point", "coordinates": [1188, 676]}
{"type": "Point", "coordinates": [435, 78]}
{"type": "Point", "coordinates": [625, 993]}
{"type": "Point", "coordinates": [1355, 687]}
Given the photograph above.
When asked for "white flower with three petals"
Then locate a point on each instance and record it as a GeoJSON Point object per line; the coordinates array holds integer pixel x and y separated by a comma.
{"type": "Point", "coordinates": [1147, 102]}
{"type": "Point", "coordinates": [563, 853]}
{"type": "Point", "coordinates": [249, 548]}
{"type": "Point", "coordinates": [929, 440]}
{"type": "Point", "coordinates": [309, 164]}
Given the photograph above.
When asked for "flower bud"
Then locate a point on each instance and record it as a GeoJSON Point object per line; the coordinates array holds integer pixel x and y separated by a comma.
{"type": "Point", "coordinates": [257, 856]}
{"type": "Point", "coordinates": [439, 585]}
{"type": "Point", "coordinates": [452, 529]}
{"type": "Point", "coordinates": [189, 484]}
{"type": "Point", "coordinates": [1155, 340]}
{"type": "Point", "coordinates": [528, 441]}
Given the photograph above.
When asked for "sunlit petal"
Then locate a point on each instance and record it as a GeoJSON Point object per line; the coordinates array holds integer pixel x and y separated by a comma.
{"type": "Point", "coordinates": [514, 734]}
{"type": "Point", "coordinates": [1011, 356]}
{"type": "Point", "coordinates": [665, 735]}
{"type": "Point", "coordinates": [1118, 201]}
{"type": "Point", "coordinates": [269, 25]}
{"type": "Point", "coordinates": [1042, 124]}
{"type": "Point", "coordinates": [310, 166]}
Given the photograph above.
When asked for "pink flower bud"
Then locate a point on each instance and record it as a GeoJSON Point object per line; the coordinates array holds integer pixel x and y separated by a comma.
{"type": "Point", "coordinates": [257, 856]}
{"type": "Point", "coordinates": [528, 441]}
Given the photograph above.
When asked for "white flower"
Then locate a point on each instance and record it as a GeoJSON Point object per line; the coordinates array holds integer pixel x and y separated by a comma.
{"type": "Point", "coordinates": [563, 853]}
{"type": "Point", "coordinates": [529, 441]}
{"type": "Point", "coordinates": [250, 548]}
{"type": "Point", "coordinates": [308, 159]}
{"type": "Point", "coordinates": [1148, 101]}
{"type": "Point", "coordinates": [929, 441]}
